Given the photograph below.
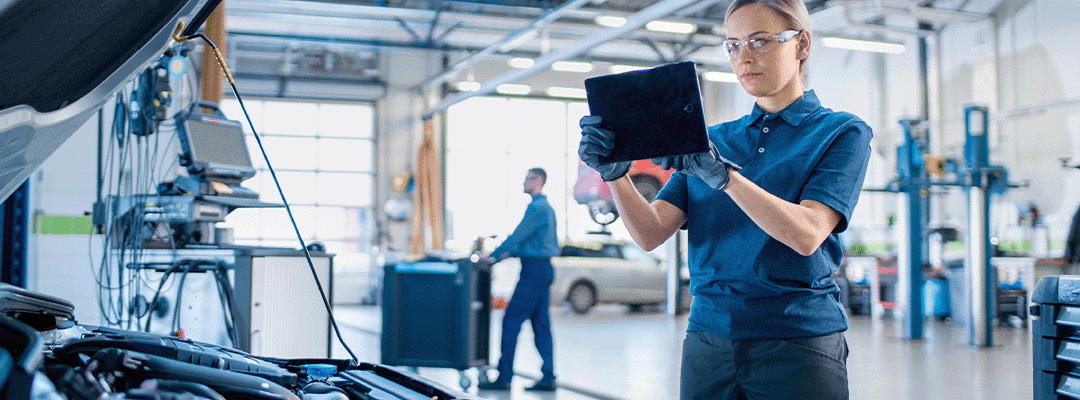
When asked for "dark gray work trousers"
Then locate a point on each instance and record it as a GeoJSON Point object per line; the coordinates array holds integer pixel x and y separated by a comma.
{"type": "Point", "coordinates": [714, 368]}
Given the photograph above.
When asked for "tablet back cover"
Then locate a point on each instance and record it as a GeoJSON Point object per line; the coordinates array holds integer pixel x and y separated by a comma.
{"type": "Point", "coordinates": [654, 112]}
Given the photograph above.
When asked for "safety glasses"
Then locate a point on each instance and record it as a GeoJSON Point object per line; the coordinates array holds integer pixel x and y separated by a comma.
{"type": "Point", "coordinates": [762, 43]}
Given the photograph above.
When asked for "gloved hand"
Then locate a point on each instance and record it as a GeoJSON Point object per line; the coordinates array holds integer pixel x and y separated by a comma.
{"type": "Point", "coordinates": [711, 167]}
{"type": "Point", "coordinates": [597, 142]}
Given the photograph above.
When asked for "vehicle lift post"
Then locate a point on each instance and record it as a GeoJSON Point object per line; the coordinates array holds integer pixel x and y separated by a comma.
{"type": "Point", "coordinates": [979, 179]}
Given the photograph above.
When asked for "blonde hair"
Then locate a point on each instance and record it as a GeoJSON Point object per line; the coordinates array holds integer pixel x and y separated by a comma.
{"type": "Point", "coordinates": [792, 11]}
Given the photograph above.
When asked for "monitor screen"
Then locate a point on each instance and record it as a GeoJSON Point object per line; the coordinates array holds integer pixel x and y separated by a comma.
{"type": "Point", "coordinates": [218, 147]}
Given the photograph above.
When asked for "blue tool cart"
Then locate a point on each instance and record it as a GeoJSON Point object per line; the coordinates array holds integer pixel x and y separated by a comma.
{"type": "Point", "coordinates": [437, 313]}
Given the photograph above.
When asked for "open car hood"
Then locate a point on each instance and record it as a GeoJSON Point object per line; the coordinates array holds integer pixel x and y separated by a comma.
{"type": "Point", "coordinates": [60, 60]}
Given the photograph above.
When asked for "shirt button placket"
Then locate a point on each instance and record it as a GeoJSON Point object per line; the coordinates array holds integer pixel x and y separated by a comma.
{"type": "Point", "coordinates": [763, 130]}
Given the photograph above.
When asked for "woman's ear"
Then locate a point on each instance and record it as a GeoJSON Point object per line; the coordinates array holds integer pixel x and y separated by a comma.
{"type": "Point", "coordinates": [804, 45]}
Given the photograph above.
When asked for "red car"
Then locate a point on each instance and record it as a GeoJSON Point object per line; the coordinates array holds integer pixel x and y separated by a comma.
{"type": "Point", "coordinates": [593, 192]}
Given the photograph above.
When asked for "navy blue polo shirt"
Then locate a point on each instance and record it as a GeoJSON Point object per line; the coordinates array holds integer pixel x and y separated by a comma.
{"type": "Point", "coordinates": [747, 285]}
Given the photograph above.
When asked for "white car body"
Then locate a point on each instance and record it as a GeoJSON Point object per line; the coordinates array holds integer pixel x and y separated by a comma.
{"type": "Point", "coordinates": [614, 272]}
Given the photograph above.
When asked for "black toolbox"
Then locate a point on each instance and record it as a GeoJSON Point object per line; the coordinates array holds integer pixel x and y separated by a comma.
{"type": "Point", "coordinates": [1056, 341]}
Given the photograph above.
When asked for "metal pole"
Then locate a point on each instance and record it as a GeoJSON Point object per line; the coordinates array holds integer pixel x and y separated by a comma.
{"type": "Point", "coordinates": [674, 277]}
{"type": "Point", "coordinates": [981, 288]}
{"type": "Point", "coordinates": [910, 274]}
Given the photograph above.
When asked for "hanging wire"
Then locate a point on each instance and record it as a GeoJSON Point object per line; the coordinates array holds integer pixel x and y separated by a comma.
{"type": "Point", "coordinates": [288, 210]}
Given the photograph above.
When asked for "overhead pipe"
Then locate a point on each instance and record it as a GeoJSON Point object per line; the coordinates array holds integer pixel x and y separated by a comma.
{"type": "Point", "coordinates": [927, 13]}
{"type": "Point", "coordinates": [913, 11]}
{"type": "Point", "coordinates": [635, 21]}
{"type": "Point", "coordinates": [509, 42]}
{"type": "Point", "coordinates": [882, 28]}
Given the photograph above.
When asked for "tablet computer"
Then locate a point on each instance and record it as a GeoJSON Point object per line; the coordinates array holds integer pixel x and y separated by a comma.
{"type": "Point", "coordinates": [654, 112]}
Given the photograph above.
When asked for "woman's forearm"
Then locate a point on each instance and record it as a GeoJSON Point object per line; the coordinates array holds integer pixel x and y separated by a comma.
{"type": "Point", "coordinates": [802, 227]}
{"type": "Point", "coordinates": [650, 225]}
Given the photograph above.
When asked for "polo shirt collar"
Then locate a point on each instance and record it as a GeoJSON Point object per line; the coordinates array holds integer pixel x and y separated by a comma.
{"type": "Point", "coordinates": [795, 112]}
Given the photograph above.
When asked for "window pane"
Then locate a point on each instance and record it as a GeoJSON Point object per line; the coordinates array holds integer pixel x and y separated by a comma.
{"type": "Point", "coordinates": [345, 189]}
{"type": "Point", "coordinates": [290, 118]}
{"type": "Point", "coordinates": [290, 152]}
{"type": "Point", "coordinates": [246, 223]}
{"type": "Point", "coordinates": [231, 109]}
{"type": "Point", "coordinates": [346, 120]}
{"type": "Point", "coordinates": [311, 170]}
{"type": "Point", "coordinates": [276, 224]}
{"type": "Point", "coordinates": [479, 124]}
{"type": "Point", "coordinates": [345, 155]}
{"type": "Point", "coordinates": [299, 187]}
{"type": "Point", "coordinates": [574, 112]}
{"type": "Point", "coordinates": [332, 223]}
{"type": "Point", "coordinates": [539, 128]}
{"type": "Point", "coordinates": [545, 134]}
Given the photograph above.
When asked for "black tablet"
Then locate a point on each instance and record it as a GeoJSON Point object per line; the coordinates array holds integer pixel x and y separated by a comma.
{"type": "Point", "coordinates": [653, 112]}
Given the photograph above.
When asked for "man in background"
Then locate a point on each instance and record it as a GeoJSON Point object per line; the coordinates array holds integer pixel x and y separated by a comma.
{"type": "Point", "coordinates": [534, 242]}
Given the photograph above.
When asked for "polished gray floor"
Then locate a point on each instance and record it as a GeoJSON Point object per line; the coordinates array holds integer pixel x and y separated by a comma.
{"type": "Point", "coordinates": [613, 353]}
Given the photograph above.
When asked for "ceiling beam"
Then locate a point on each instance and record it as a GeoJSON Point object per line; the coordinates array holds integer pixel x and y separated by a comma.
{"type": "Point", "coordinates": [637, 20]}
{"type": "Point", "coordinates": [506, 43]}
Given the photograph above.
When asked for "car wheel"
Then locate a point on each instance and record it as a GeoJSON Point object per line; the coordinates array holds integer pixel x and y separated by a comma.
{"type": "Point", "coordinates": [582, 297]}
{"type": "Point", "coordinates": [647, 185]}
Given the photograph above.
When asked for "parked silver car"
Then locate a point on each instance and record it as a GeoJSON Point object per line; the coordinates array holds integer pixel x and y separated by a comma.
{"type": "Point", "coordinates": [595, 272]}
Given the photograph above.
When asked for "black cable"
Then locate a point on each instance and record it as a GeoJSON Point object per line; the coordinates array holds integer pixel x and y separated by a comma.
{"type": "Point", "coordinates": [179, 296]}
{"type": "Point", "coordinates": [165, 276]}
{"type": "Point", "coordinates": [288, 210]}
{"type": "Point", "coordinates": [228, 303]}
{"type": "Point", "coordinates": [99, 274]}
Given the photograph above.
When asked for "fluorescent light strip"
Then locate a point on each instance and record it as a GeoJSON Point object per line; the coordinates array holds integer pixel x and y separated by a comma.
{"type": "Point", "coordinates": [513, 88]}
{"type": "Point", "coordinates": [720, 76]}
{"type": "Point", "coordinates": [468, 86]}
{"type": "Point", "coordinates": [575, 93]}
{"type": "Point", "coordinates": [863, 45]}
{"type": "Point", "coordinates": [572, 66]}
{"type": "Point", "coordinates": [618, 69]}
{"type": "Point", "coordinates": [610, 22]}
{"type": "Point", "coordinates": [670, 27]}
{"type": "Point", "coordinates": [521, 63]}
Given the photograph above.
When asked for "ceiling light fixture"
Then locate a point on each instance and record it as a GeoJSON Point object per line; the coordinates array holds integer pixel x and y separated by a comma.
{"type": "Point", "coordinates": [468, 86]}
{"type": "Point", "coordinates": [574, 93]}
{"type": "Point", "coordinates": [521, 63]}
{"type": "Point", "coordinates": [572, 66]}
{"type": "Point", "coordinates": [610, 21]}
{"type": "Point", "coordinates": [670, 27]}
{"type": "Point", "coordinates": [720, 76]}
{"type": "Point", "coordinates": [513, 88]}
{"type": "Point", "coordinates": [863, 45]}
{"type": "Point", "coordinates": [618, 69]}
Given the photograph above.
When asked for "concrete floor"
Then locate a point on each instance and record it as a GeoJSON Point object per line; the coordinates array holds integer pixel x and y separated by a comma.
{"type": "Point", "coordinates": [612, 353]}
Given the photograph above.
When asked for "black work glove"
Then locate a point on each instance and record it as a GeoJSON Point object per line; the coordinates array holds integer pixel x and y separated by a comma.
{"type": "Point", "coordinates": [711, 167]}
{"type": "Point", "coordinates": [597, 142]}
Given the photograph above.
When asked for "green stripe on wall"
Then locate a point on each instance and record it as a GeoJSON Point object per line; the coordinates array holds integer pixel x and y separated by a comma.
{"type": "Point", "coordinates": [63, 224]}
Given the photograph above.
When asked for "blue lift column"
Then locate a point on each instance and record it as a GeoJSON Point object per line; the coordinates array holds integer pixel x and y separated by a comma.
{"type": "Point", "coordinates": [910, 265]}
{"type": "Point", "coordinates": [977, 260]}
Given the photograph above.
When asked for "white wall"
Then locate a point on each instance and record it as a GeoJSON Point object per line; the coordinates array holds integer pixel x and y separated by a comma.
{"type": "Point", "coordinates": [60, 264]}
